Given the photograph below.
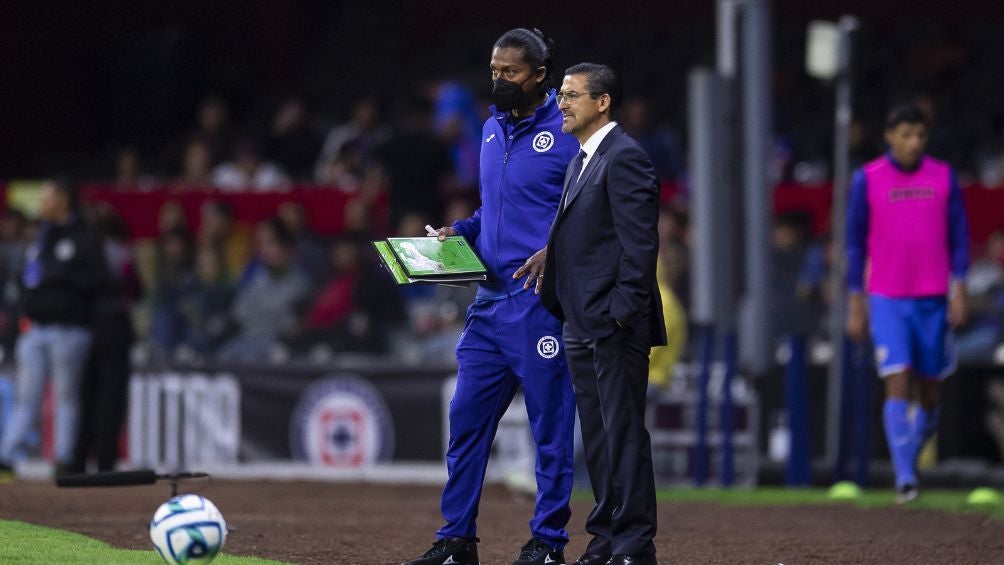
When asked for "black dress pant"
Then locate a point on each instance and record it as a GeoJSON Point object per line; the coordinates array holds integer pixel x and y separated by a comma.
{"type": "Point", "coordinates": [610, 376]}
{"type": "Point", "coordinates": [104, 391]}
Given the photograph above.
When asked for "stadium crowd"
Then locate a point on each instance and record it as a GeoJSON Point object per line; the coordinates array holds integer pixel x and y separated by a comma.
{"type": "Point", "coordinates": [225, 290]}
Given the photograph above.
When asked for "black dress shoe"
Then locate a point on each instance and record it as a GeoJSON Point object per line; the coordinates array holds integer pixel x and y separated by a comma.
{"type": "Point", "coordinates": [592, 559]}
{"type": "Point", "coordinates": [644, 559]}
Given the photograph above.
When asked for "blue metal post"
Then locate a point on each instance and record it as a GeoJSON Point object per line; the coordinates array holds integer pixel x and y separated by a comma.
{"type": "Point", "coordinates": [861, 378]}
{"type": "Point", "coordinates": [797, 471]}
{"type": "Point", "coordinates": [846, 391]}
{"type": "Point", "coordinates": [726, 418]}
{"type": "Point", "coordinates": [701, 449]}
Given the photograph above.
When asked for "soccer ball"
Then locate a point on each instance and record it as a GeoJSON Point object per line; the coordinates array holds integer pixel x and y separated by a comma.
{"type": "Point", "coordinates": [188, 529]}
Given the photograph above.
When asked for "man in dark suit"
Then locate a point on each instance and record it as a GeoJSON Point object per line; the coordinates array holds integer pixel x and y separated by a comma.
{"type": "Point", "coordinates": [600, 279]}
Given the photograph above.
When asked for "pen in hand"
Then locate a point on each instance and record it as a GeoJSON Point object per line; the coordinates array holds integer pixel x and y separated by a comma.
{"type": "Point", "coordinates": [429, 230]}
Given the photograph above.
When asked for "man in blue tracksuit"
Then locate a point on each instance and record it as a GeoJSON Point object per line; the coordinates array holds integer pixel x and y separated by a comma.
{"type": "Point", "coordinates": [509, 338]}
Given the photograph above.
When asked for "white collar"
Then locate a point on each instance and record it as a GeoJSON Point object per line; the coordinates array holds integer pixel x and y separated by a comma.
{"type": "Point", "coordinates": [593, 143]}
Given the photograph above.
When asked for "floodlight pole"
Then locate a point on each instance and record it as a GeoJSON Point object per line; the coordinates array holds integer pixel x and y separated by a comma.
{"type": "Point", "coordinates": [729, 256]}
{"type": "Point", "coordinates": [755, 72]}
{"type": "Point", "coordinates": [713, 183]}
{"type": "Point", "coordinates": [718, 187]}
{"type": "Point", "coordinates": [838, 270]}
{"type": "Point", "coordinates": [709, 189]}
{"type": "Point", "coordinates": [728, 11]}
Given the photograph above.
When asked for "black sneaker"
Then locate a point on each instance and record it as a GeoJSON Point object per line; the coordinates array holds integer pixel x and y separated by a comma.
{"type": "Point", "coordinates": [906, 493]}
{"type": "Point", "coordinates": [537, 552]}
{"type": "Point", "coordinates": [450, 551]}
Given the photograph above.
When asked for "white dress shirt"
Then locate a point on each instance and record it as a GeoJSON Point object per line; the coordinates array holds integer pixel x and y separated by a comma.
{"type": "Point", "coordinates": [592, 144]}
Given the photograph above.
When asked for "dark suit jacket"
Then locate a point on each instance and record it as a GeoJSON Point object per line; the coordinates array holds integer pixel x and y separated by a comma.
{"type": "Point", "coordinates": [602, 247]}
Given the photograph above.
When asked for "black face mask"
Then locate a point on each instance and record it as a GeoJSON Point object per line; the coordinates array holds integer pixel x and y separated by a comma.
{"type": "Point", "coordinates": [507, 95]}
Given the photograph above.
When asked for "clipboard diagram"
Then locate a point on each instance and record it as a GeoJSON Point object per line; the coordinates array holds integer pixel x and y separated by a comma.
{"type": "Point", "coordinates": [427, 260]}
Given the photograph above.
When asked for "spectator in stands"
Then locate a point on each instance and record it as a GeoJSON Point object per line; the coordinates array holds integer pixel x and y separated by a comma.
{"type": "Point", "coordinates": [983, 334]}
{"type": "Point", "coordinates": [372, 199]}
{"type": "Point", "coordinates": [106, 378]}
{"type": "Point", "coordinates": [171, 216]}
{"type": "Point", "coordinates": [438, 321]}
{"type": "Point", "coordinates": [674, 250]}
{"type": "Point", "coordinates": [437, 316]}
{"type": "Point", "coordinates": [292, 144]}
{"type": "Point", "coordinates": [798, 276]}
{"type": "Point", "coordinates": [948, 140]}
{"type": "Point", "coordinates": [987, 270]}
{"type": "Point", "coordinates": [357, 218]}
{"type": "Point", "coordinates": [174, 276]}
{"type": "Point", "coordinates": [13, 242]}
{"type": "Point", "coordinates": [661, 143]}
{"type": "Point", "coordinates": [365, 131]}
{"type": "Point", "coordinates": [213, 128]}
{"type": "Point", "coordinates": [357, 309]}
{"type": "Point", "coordinates": [219, 228]}
{"type": "Point", "coordinates": [458, 123]}
{"type": "Point", "coordinates": [129, 170]}
{"type": "Point", "coordinates": [247, 172]}
{"type": "Point", "coordinates": [663, 358]}
{"type": "Point", "coordinates": [990, 158]}
{"type": "Point", "coordinates": [813, 283]}
{"type": "Point", "coordinates": [205, 306]}
{"type": "Point", "coordinates": [309, 251]}
{"type": "Point", "coordinates": [862, 145]}
{"type": "Point", "coordinates": [412, 224]}
{"type": "Point", "coordinates": [63, 273]}
{"type": "Point", "coordinates": [417, 163]}
{"type": "Point", "coordinates": [196, 167]}
{"type": "Point", "coordinates": [345, 171]}
{"type": "Point", "coordinates": [270, 302]}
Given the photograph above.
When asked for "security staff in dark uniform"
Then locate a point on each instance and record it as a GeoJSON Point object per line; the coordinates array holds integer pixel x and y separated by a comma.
{"type": "Point", "coordinates": [64, 269]}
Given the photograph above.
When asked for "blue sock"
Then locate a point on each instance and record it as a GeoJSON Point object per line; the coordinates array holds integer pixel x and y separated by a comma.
{"type": "Point", "coordinates": [902, 447]}
{"type": "Point", "coordinates": [925, 425]}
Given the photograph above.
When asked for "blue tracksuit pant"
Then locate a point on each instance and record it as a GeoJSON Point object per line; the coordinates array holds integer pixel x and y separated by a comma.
{"type": "Point", "coordinates": [507, 343]}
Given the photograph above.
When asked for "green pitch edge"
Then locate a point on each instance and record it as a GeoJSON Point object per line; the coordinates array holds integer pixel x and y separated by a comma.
{"type": "Point", "coordinates": [26, 544]}
{"type": "Point", "coordinates": [943, 500]}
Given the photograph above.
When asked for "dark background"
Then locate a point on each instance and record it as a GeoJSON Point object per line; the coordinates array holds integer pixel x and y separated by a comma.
{"type": "Point", "coordinates": [81, 77]}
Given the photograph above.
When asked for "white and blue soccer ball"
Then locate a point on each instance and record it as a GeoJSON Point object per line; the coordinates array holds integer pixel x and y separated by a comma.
{"type": "Point", "coordinates": [188, 530]}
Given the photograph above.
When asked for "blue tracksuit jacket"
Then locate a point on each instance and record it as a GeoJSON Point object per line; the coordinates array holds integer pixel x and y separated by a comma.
{"type": "Point", "coordinates": [522, 173]}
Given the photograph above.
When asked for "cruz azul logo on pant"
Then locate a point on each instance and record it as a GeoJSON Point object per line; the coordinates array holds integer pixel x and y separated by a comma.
{"type": "Point", "coordinates": [547, 346]}
{"type": "Point", "coordinates": [342, 421]}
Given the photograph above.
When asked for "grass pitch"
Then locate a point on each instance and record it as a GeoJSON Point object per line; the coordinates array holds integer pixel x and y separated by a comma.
{"type": "Point", "coordinates": [944, 500]}
{"type": "Point", "coordinates": [25, 544]}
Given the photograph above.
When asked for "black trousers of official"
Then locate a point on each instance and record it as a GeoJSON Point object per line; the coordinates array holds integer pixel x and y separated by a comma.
{"type": "Point", "coordinates": [610, 376]}
{"type": "Point", "coordinates": [104, 391]}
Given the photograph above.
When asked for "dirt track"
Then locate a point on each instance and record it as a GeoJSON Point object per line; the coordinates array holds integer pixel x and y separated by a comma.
{"type": "Point", "coordinates": [349, 524]}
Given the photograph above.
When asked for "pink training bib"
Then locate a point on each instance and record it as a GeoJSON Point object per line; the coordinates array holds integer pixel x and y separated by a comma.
{"type": "Point", "coordinates": [908, 247]}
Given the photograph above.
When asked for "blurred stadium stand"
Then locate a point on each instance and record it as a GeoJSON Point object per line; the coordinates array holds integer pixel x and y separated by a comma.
{"type": "Point", "coordinates": [133, 96]}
